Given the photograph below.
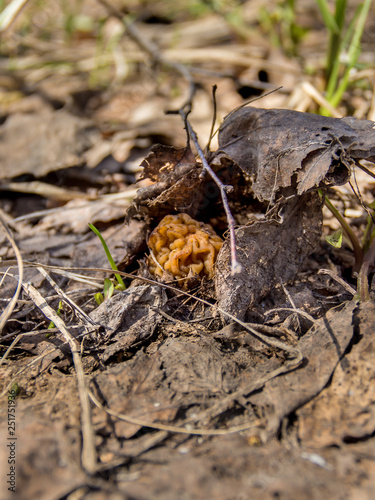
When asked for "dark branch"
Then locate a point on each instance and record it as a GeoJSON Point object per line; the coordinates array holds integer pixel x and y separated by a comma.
{"type": "Point", "coordinates": [224, 189]}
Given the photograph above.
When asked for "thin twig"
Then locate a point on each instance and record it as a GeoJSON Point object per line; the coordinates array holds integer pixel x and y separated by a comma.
{"type": "Point", "coordinates": [357, 194]}
{"type": "Point", "coordinates": [212, 132]}
{"type": "Point", "coordinates": [9, 308]}
{"type": "Point", "coordinates": [251, 101]}
{"type": "Point", "coordinates": [88, 455]}
{"type": "Point", "coordinates": [172, 428]}
{"type": "Point", "coordinates": [83, 316]}
{"type": "Point", "coordinates": [224, 189]}
{"type": "Point", "coordinates": [365, 169]}
{"type": "Point", "coordinates": [339, 280]}
{"type": "Point", "coordinates": [291, 309]}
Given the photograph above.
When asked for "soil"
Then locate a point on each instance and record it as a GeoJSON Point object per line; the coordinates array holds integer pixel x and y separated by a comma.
{"type": "Point", "coordinates": [258, 383]}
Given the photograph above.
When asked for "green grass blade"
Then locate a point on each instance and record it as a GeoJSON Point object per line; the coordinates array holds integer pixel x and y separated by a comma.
{"type": "Point", "coordinates": [358, 252]}
{"type": "Point", "coordinates": [99, 298]}
{"type": "Point", "coordinates": [353, 51]}
{"type": "Point", "coordinates": [340, 13]}
{"type": "Point", "coordinates": [328, 17]}
{"type": "Point", "coordinates": [334, 73]}
{"type": "Point", "coordinates": [335, 39]}
{"type": "Point", "coordinates": [108, 254]}
{"type": "Point", "coordinates": [355, 46]}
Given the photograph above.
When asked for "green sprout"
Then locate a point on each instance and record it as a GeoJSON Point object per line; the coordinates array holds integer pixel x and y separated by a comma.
{"type": "Point", "coordinates": [344, 46]}
{"type": "Point", "coordinates": [108, 285]}
{"type": "Point", "coordinates": [280, 25]}
{"type": "Point", "coordinates": [52, 324]}
{"type": "Point", "coordinates": [364, 253]}
{"type": "Point", "coordinates": [108, 290]}
{"type": "Point", "coordinates": [335, 239]}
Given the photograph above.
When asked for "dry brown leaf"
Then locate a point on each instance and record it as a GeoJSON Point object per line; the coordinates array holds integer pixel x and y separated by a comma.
{"type": "Point", "coordinates": [40, 143]}
{"type": "Point", "coordinates": [323, 346]}
{"type": "Point", "coordinates": [278, 148]}
{"type": "Point", "coordinates": [345, 410]}
{"type": "Point", "coordinates": [270, 252]}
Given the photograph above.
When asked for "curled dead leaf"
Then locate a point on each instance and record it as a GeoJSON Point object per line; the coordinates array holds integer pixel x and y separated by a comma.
{"type": "Point", "coordinates": [278, 148]}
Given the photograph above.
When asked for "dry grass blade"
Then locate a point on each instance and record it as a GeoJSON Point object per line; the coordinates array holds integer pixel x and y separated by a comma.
{"type": "Point", "coordinates": [339, 280]}
{"type": "Point", "coordinates": [10, 13]}
{"type": "Point", "coordinates": [293, 310]}
{"type": "Point", "coordinates": [45, 190]}
{"type": "Point", "coordinates": [312, 92]}
{"type": "Point", "coordinates": [80, 278]}
{"type": "Point", "coordinates": [82, 315]}
{"type": "Point", "coordinates": [57, 270]}
{"type": "Point", "coordinates": [31, 332]}
{"type": "Point", "coordinates": [9, 349]}
{"type": "Point", "coordinates": [9, 308]}
{"type": "Point", "coordinates": [88, 455]}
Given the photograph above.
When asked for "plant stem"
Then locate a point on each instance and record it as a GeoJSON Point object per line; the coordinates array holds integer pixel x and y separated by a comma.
{"type": "Point", "coordinates": [358, 252]}
{"type": "Point", "coordinates": [362, 283]}
{"type": "Point", "coordinates": [335, 37]}
{"type": "Point", "coordinates": [108, 254]}
{"type": "Point", "coordinates": [353, 52]}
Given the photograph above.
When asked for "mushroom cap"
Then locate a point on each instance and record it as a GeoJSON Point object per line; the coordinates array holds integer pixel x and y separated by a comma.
{"type": "Point", "coordinates": [183, 247]}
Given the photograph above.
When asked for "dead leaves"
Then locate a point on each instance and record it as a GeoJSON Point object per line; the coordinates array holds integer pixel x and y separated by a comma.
{"type": "Point", "coordinates": [178, 184]}
{"type": "Point", "coordinates": [211, 382]}
{"type": "Point", "coordinates": [167, 164]}
{"type": "Point", "coordinates": [128, 318]}
{"type": "Point", "coordinates": [279, 148]}
{"type": "Point", "coordinates": [276, 157]}
{"type": "Point", "coordinates": [270, 252]}
{"type": "Point", "coordinates": [345, 411]}
{"type": "Point", "coordinates": [41, 143]}
{"type": "Point", "coordinates": [191, 379]}
{"type": "Point", "coordinates": [322, 347]}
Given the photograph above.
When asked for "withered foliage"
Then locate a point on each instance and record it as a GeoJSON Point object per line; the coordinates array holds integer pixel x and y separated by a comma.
{"type": "Point", "coordinates": [165, 361]}
{"type": "Point", "coordinates": [181, 185]}
{"type": "Point", "coordinates": [280, 148]}
{"type": "Point", "coordinates": [270, 251]}
{"type": "Point", "coordinates": [178, 184]}
{"type": "Point", "coordinates": [275, 160]}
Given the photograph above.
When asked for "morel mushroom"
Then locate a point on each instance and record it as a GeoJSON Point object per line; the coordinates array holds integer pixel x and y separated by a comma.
{"type": "Point", "coordinates": [183, 247]}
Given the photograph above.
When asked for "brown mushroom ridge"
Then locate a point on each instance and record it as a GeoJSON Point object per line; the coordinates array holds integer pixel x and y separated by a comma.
{"type": "Point", "coordinates": [183, 247]}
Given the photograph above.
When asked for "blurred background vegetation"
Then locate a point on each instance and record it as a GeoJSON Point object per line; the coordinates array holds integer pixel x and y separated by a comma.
{"type": "Point", "coordinates": [64, 47]}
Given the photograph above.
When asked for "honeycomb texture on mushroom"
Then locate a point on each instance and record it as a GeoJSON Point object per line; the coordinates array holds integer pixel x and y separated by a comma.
{"type": "Point", "coordinates": [183, 247]}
